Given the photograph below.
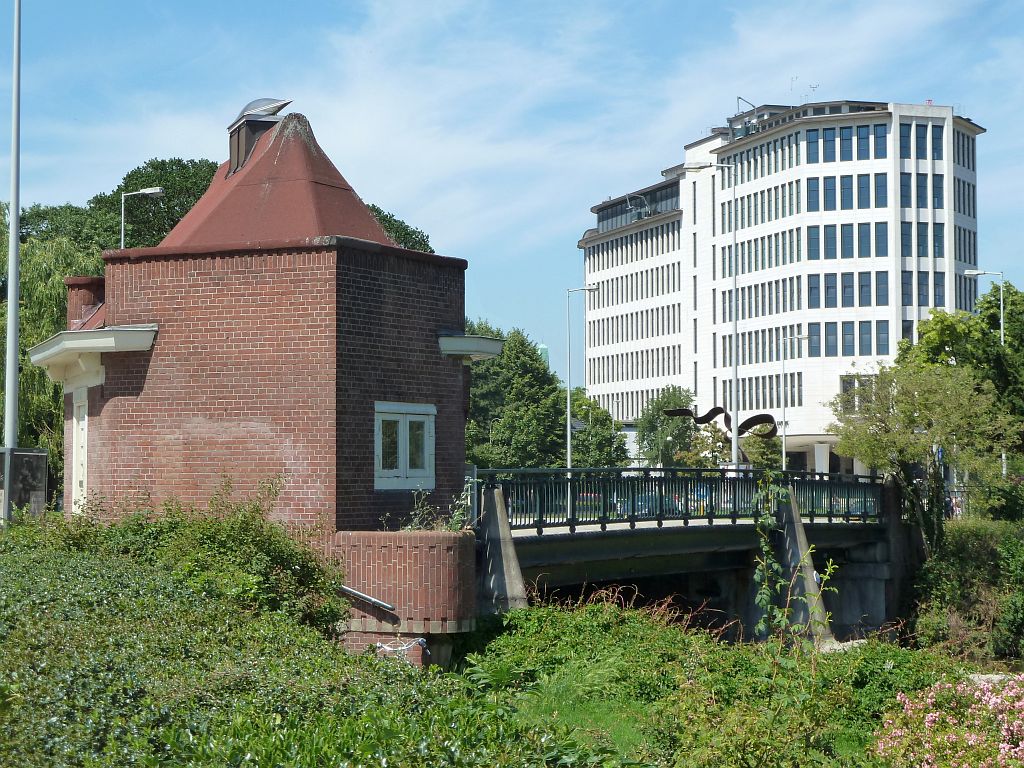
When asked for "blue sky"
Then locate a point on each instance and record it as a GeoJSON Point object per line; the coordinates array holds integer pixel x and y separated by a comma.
{"type": "Point", "coordinates": [494, 126]}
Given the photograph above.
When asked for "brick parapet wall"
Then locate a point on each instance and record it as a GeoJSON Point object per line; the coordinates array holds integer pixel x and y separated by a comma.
{"type": "Point", "coordinates": [391, 310]}
{"type": "Point", "coordinates": [84, 295]}
{"type": "Point", "coordinates": [428, 576]}
{"type": "Point", "coordinates": [239, 385]}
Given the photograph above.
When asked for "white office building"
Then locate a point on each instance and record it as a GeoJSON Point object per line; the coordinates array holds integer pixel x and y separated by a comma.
{"type": "Point", "coordinates": [839, 225]}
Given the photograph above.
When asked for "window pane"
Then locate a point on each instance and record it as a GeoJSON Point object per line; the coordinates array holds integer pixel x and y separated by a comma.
{"type": "Point", "coordinates": [922, 141]}
{"type": "Point", "coordinates": [864, 289]}
{"type": "Point", "coordinates": [881, 190]}
{"type": "Point", "coordinates": [905, 182]}
{"type": "Point", "coordinates": [907, 288]}
{"type": "Point", "coordinates": [922, 190]}
{"type": "Point", "coordinates": [922, 240]}
{"type": "Point", "coordinates": [813, 203]}
{"type": "Point", "coordinates": [829, 183]}
{"type": "Point", "coordinates": [417, 444]}
{"type": "Point", "coordinates": [864, 141]}
{"type": "Point", "coordinates": [846, 142]}
{"type": "Point", "coordinates": [940, 289]}
{"type": "Point", "coordinates": [882, 337]}
{"type": "Point", "coordinates": [828, 136]}
{"type": "Point", "coordinates": [939, 241]}
{"type": "Point", "coordinates": [882, 238]}
{"type": "Point", "coordinates": [831, 340]}
{"type": "Point", "coordinates": [882, 289]}
{"type": "Point", "coordinates": [922, 289]}
{"type": "Point", "coordinates": [938, 191]}
{"type": "Point", "coordinates": [846, 192]}
{"type": "Point", "coordinates": [814, 339]}
{"type": "Point", "coordinates": [864, 190]}
{"type": "Point", "coordinates": [813, 291]}
{"type": "Point", "coordinates": [865, 337]}
{"type": "Point", "coordinates": [813, 243]}
{"type": "Point", "coordinates": [389, 444]}
{"type": "Point", "coordinates": [936, 142]}
{"type": "Point", "coordinates": [905, 140]}
{"type": "Point", "coordinates": [812, 146]}
{"type": "Point", "coordinates": [846, 239]}
{"type": "Point", "coordinates": [848, 339]}
{"type": "Point", "coordinates": [881, 141]}
{"type": "Point", "coordinates": [830, 241]}
{"type": "Point", "coordinates": [863, 240]}
{"type": "Point", "coordinates": [830, 290]}
{"type": "Point", "coordinates": [906, 239]}
{"type": "Point", "coordinates": [847, 282]}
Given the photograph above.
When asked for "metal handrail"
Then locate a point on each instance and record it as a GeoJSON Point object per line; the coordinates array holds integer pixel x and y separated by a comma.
{"type": "Point", "coordinates": [599, 496]}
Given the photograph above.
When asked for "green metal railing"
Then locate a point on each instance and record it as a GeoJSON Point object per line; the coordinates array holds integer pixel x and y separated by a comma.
{"type": "Point", "coordinates": [600, 497]}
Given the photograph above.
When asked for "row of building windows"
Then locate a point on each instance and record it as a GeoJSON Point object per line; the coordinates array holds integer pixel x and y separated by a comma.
{"type": "Point", "coordinates": [966, 245]}
{"type": "Point", "coordinates": [760, 253]}
{"type": "Point", "coordinates": [964, 150]}
{"type": "Point", "coordinates": [633, 247]}
{"type": "Point", "coordinates": [920, 185]}
{"type": "Point", "coordinates": [764, 345]}
{"type": "Point", "coordinates": [821, 192]}
{"type": "Point", "coordinates": [757, 392]}
{"type": "Point", "coordinates": [966, 293]}
{"type": "Point", "coordinates": [826, 150]}
{"type": "Point", "coordinates": [847, 289]}
{"type": "Point", "coordinates": [644, 324]}
{"type": "Point", "coordinates": [848, 339]}
{"type": "Point", "coordinates": [637, 206]}
{"type": "Point", "coordinates": [636, 286]}
{"type": "Point", "coordinates": [763, 159]}
{"type": "Point", "coordinates": [762, 299]}
{"type": "Point", "coordinates": [938, 284]}
{"type": "Point", "coordinates": [915, 135]}
{"type": "Point", "coordinates": [965, 198]}
{"type": "Point", "coordinates": [638, 364]}
{"type": "Point", "coordinates": [938, 240]}
{"type": "Point", "coordinates": [837, 240]}
{"type": "Point", "coordinates": [760, 207]}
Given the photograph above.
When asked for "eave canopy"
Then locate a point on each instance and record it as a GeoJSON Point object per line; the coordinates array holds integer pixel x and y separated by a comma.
{"type": "Point", "coordinates": [73, 357]}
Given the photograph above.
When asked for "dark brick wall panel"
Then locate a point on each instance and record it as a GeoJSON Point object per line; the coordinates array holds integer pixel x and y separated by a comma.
{"type": "Point", "coordinates": [391, 310]}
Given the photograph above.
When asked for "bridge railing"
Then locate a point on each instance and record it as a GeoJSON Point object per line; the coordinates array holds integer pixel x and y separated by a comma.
{"type": "Point", "coordinates": [619, 497]}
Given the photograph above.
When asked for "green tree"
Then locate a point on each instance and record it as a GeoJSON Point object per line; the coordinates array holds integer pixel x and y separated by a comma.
{"type": "Point", "coordinates": [404, 234]}
{"type": "Point", "coordinates": [913, 417]}
{"type": "Point", "coordinates": [600, 441]}
{"type": "Point", "coordinates": [972, 339]}
{"type": "Point", "coordinates": [529, 430]}
{"type": "Point", "coordinates": [709, 448]}
{"type": "Point", "coordinates": [663, 440]}
{"type": "Point", "coordinates": [148, 220]}
{"type": "Point", "coordinates": [44, 265]}
{"type": "Point", "coordinates": [762, 452]}
{"type": "Point", "coordinates": [486, 397]}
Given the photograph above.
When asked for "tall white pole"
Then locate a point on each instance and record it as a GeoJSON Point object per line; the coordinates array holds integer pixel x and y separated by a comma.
{"type": "Point", "coordinates": [1002, 341]}
{"type": "Point", "coordinates": [735, 415]}
{"type": "Point", "coordinates": [785, 397]}
{"type": "Point", "coordinates": [123, 195]}
{"type": "Point", "coordinates": [568, 384]}
{"type": "Point", "coordinates": [13, 286]}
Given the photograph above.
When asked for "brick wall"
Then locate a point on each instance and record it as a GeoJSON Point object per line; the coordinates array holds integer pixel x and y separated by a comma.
{"type": "Point", "coordinates": [392, 305]}
{"type": "Point", "coordinates": [429, 576]}
{"type": "Point", "coordinates": [240, 382]}
{"type": "Point", "coordinates": [84, 295]}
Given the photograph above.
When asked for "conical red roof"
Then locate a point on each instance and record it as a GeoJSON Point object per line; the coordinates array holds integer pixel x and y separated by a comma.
{"type": "Point", "coordinates": [287, 190]}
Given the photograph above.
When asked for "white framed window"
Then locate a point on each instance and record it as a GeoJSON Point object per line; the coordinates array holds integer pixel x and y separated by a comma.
{"type": "Point", "coordinates": [403, 437]}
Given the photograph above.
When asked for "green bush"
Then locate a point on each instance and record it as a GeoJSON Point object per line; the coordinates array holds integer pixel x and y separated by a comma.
{"type": "Point", "coordinates": [970, 591]}
{"type": "Point", "coordinates": [113, 654]}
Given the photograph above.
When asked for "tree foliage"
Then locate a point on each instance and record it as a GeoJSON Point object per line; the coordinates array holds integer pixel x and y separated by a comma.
{"type": "Point", "coordinates": [663, 440]}
{"type": "Point", "coordinates": [403, 234]}
{"type": "Point", "coordinates": [913, 417]}
{"type": "Point", "coordinates": [709, 448]}
{"type": "Point", "coordinates": [517, 412]}
{"type": "Point", "coordinates": [762, 452]}
{"type": "Point", "coordinates": [599, 442]}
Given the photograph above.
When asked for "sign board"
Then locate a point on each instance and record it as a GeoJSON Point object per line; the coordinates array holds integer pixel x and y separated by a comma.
{"type": "Point", "coordinates": [28, 474]}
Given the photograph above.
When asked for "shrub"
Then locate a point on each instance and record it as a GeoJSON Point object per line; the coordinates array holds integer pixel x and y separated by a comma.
{"type": "Point", "coordinates": [949, 726]}
{"type": "Point", "coordinates": [111, 654]}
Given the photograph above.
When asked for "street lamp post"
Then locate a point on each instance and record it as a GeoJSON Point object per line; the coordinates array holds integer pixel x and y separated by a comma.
{"type": "Point", "coordinates": [147, 192]}
{"type": "Point", "coordinates": [13, 286]}
{"type": "Point", "coordinates": [734, 408]}
{"type": "Point", "coordinates": [785, 390]}
{"type": "Point", "coordinates": [568, 394]}
{"type": "Point", "coordinates": [1002, 328]}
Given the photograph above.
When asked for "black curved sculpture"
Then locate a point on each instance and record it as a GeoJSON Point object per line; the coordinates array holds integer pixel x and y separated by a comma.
{"type": "Point", "coordinates": [745, 427]}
